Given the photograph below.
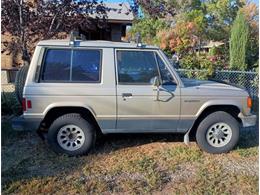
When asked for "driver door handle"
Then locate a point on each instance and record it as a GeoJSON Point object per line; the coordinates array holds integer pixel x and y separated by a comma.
{"type": "Point", "coordinates": [126, 95]}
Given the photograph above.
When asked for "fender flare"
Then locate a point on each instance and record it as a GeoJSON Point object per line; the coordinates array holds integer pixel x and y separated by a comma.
{"type": "Point", "coordinates": [216, 103]}
{"type": "Point", "coordinates": [68, 104]}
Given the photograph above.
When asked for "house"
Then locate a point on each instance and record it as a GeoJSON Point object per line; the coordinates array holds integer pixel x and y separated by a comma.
{"type": "Point", "coordinates": [8, 75]}
{"type": "Point", "coordinates": [118, 17]}
{"type": "Point", "coordinates": [205, 48]}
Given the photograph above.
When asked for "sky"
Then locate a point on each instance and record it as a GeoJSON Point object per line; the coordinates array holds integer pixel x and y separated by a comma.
{"type": "Point", "coordinates": [256, 2]}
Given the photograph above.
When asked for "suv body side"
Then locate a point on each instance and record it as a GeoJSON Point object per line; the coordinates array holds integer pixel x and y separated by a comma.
{"type": "Point", "coordinates": [176, 109]}
{"type": "Point", "coordinates": [104, 99]}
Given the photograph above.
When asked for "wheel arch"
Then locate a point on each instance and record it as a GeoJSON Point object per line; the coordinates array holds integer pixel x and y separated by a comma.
{"type": "Point", "coordinates": [231, 109]}
{"type": "Point", "coordinates": [56, 111]}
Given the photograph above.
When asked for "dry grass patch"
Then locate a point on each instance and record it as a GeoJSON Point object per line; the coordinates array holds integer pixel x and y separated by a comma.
{"type": "Point", "coordinates": [155, 164]}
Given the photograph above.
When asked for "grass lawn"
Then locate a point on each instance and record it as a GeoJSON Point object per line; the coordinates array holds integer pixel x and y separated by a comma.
{"type": "Point", "coordinates": [128, 164]}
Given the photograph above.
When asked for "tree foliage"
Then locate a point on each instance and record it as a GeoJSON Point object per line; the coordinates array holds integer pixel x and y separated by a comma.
{"type": "Point", "coordinates": [198, 65]}
{"type": "Point", "coordinates": [220, 16]}
{"type": "Point", "coordinates": [190, 24]}
{"type": "Point", "coordinates": [30, 21]}
{"type": "Point", "coordinates": [148, 29]}
{"type": "Point", "coordinates": [239, 42]}
{"type": "Point", "coordinates": [250, 10]}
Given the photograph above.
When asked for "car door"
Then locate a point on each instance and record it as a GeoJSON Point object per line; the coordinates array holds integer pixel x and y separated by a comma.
{"type": "Point", "coordinates": [141, 106]}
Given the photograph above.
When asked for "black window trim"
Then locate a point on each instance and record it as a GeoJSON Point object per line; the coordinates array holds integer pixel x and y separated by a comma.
{"type": "Point", "coordinates": [157, 55]}
{"type": "Point", "coordinates": [40, 80]}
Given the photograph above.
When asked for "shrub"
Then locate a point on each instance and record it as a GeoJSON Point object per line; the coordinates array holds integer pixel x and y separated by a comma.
{"type": "Point", "coordinates": [201, 67]}
{"type": "Point", "coordinates": [9, 104]}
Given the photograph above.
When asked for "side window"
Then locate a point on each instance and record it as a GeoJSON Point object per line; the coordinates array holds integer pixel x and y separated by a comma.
{"type": "Point", "coordinates": [166, 76]}
{"type": "Point", "coordinates": [66, 65]}
{"type": "Point", "coordinates": [86, 65]}
{"type": "Point", "coordinates": [136, 67]}
{"type": "Point", "coordinates": [56, 65]}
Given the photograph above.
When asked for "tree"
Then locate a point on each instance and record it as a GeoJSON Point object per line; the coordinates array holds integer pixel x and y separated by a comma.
{"type": "Point", "coordinates": [169, 8]}
{"type": "Point", "coordinates": [238, 42]}
{"type": "Point", "coordinates": [251, 13]}
{"type": "Point", "coordinates": [30, 21]}
{"type": "Point", "coordinates": [148, 29]}
{"type": "Point", "coordinates": [220, 16]}
{"type": "Point", "coordinates": [182, 38]}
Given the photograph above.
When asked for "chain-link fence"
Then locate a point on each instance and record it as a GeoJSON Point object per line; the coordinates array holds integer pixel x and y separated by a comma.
{"type": "Point", "coordinates": [246, 80]}
{"type": "Point", "coordinates": [9, 102]}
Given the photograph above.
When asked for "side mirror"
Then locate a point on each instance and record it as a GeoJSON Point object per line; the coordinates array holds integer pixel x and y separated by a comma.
{"type": "Point", "coordinates": [156, 81]}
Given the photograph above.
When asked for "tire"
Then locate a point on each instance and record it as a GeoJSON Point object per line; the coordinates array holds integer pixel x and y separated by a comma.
{"type": "Point", "coordinates": [20, 81]}
{"type": "Point", "coordinates": [81, 139]}
{"type": "Point", "coordinates": [213, 138]}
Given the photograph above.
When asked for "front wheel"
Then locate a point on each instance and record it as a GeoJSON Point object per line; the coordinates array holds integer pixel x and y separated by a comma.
{"type": "Point", "coordinates": [218, 133]}
{"type": "Point", "coordinates": [71, 134]}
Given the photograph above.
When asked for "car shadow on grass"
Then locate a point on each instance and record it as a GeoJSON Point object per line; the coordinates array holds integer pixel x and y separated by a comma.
{"type": "Point", "coordinates": [106, 143]}
{"type": "Point", "coordinates": [112, 142]}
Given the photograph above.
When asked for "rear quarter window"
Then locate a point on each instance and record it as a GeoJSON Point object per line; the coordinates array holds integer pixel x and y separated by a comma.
{"type": "Point", "coordinates": [56, 65]}
{"type": "Point", "coordinates": [86, 65]}
{"type": "Point", "coordinates": [71, 65]}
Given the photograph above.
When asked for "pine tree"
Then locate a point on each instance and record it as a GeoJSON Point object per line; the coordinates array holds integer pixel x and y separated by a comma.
{"type": "Point", "coordinates": [238, 42]}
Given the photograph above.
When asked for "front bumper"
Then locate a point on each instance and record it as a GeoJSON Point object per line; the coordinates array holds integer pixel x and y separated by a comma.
{"type": "Point", "coordinates": [22, 124]}
{"type": "Point", "coordinates": [248, 121]}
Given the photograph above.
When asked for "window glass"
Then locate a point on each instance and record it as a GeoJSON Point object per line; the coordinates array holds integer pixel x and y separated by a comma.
{"type": "Point", "coordinates": [56, 66]}
{"type": "Point", "coordinates": [165, 73]}
{"type": "Point", "coordinates": [136, 67]}
{"type": "Point", "coordinates": [86, 65]}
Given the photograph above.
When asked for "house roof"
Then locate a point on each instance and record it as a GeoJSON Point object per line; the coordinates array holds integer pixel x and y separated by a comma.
{"type": "Point", "coordinates": [212, 44]}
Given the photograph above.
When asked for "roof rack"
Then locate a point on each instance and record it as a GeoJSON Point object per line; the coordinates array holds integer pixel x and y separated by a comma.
{"type": "Point", "coordinates": [138, 40]}
{"type": "Point", "coordinates": [76, 36]}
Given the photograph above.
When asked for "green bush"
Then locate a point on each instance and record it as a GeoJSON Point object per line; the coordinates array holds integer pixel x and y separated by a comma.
{"type": "Point", "coordinates": [200, 66]}
{"type": "Point", "coordinates": [9, 104]}
{"type": "Point", "coordinates": [213, 51]}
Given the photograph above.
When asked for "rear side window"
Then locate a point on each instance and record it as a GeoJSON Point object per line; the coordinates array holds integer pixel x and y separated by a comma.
{"type": "Point", "coordinates": [136, 67]}
{"type": "Point", "coordinates": [85, 65]}
{"type": "Point", "coordinates": [71, 65]}
{"type": "Point", "coordinates": [56, 66]}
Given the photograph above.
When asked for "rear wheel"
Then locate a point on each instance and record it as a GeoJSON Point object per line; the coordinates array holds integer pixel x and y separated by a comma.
{"type": "Point", "coordinates": [71, 134]}
{"type": "Point", "coordinates": [218, 133]}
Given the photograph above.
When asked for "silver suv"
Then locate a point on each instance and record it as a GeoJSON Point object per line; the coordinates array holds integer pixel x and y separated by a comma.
{"type": "Point", "coordinates": [75, 89]}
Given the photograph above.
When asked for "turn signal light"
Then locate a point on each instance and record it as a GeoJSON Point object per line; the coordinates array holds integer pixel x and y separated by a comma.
{"type": "Point", "coordinates": [249, 102]}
